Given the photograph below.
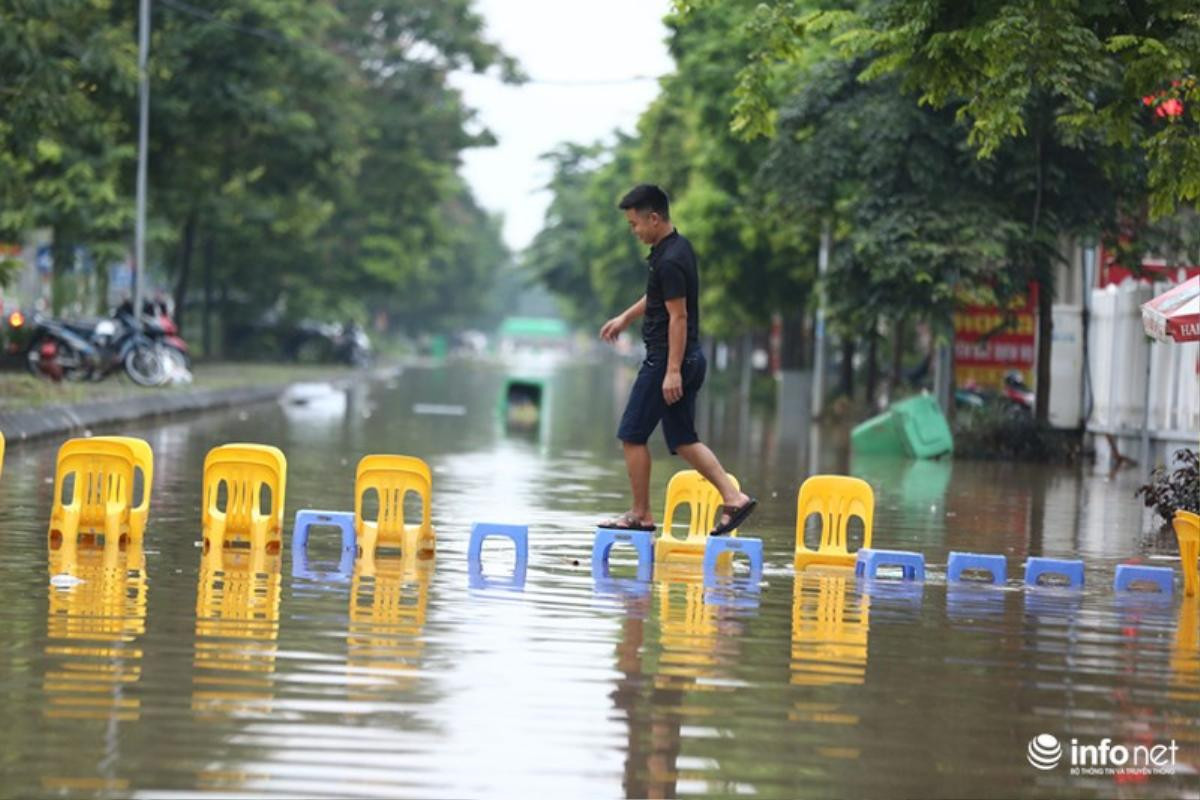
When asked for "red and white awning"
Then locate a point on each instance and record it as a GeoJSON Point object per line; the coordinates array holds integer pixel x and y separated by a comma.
{"type": "Point", "coordinates": [1174, 314]}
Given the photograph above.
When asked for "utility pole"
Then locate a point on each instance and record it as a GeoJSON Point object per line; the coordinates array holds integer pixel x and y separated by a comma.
{"type": "Point", "coordinates": [139, 238]}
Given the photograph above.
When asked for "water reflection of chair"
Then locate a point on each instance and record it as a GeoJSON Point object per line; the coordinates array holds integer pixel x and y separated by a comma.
{"type": "Point", "coordinates": [237, 480]}
{"type": "Point", "coordinates": [237, 625]}
{"type": "Point", "coordinates": [687, 628]}
{"type": "Point", "coordinates": [1185, 653]}
{"type": "Point", "coordinates": [392, 478]}
{"type": "Point", "coordinates": [704, 503]}
{"type": "Point", "coordinates": [389, 596]}
{"type": "Point", "coordinates": [1, 452]}
{"type": "Point", "coordinates": [835, 499]}
{"type": "Point", "coordinates": [92, 630]}
{"type": "Point", "coordinates": [96, 492]}
{"type": "Point", "coordinates": [829, 631]}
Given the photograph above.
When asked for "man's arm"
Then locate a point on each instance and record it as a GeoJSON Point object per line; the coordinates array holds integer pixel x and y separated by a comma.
{"type": "Point", "coordinates": [612, 329]}
{"type": "Point", "coordinates": [676, 344]}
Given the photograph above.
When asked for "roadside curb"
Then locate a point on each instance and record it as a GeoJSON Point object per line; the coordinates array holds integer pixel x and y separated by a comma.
{"type": "Point", "coordinates": [63, 419]}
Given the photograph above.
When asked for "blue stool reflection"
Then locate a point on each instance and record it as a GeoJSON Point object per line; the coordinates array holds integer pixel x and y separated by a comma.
{"type": "Point", "coordinates": [731, 592]}
{"type": "Point", "coordinates": [517, 534]}
{"type": "Point", "coordinates": [623, 587]}
{"type": "Point", "coordinates": [307, 518]}
{"type": "Point", "coordinates": [302, 569]}
{"type": "Point", "coordinates": [912, 565]}
{"type": "Point", "coordinates": [1036, 568]}
{"type": "Point", "coordinates": [721, 545]}
{"type": "Point", "coordinates": [1162, 577]}
{"type": "Point", "coordinates": [606, 538]}
{"type": "Point", "coordinates": [994, 565]}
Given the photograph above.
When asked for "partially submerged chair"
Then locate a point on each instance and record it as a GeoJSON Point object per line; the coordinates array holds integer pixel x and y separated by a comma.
{"type": "Point", "coordinates": [704, 501]}
{"type": "Point", "coordinates": [235, 476]}
{"type": "Point", "coordinates": [835, 499]}
{"type": "Point", "coordinates": [96, 492]}
{"type": "Point", "coordinates": [392, 478]}
{"type": "Point", "coordinates": [1187, 531]}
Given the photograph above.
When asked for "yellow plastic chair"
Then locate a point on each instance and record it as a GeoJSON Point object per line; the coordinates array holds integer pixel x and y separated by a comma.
{"type": "Point", "coordinates": [102, 472]}
{"type": "Point", "coordinates": [244, 469]}
{"type": "Point", "coordinates": [690, 487]}
{"type": "Point", "coordinates": [1, 452]}
{"type": "Point", "coordinates": [392, 478]}
{"type": "Point", "coordinates": [1187, 531]}
{"type": "Point", "coordinates": [836, 498]}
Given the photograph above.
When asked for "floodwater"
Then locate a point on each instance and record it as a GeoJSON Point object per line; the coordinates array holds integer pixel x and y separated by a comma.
{"type": "Point", "coordinates": [163, 675]}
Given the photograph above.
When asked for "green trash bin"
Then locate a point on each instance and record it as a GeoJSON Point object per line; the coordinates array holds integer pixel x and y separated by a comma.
{"type": "Point", "coordinates": [922, 426]}
{"type": "Point", "coordinates": [878, 436]}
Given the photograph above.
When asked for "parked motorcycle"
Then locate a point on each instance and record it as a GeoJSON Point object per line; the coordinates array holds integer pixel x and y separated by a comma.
{"type": "Point", "coordinates": [78, 351]}
{"type": "Point", "coordinates": [158, 325]}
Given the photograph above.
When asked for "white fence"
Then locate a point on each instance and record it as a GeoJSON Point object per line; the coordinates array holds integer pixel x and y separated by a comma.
{"type": "Point", "coordinates": [1118, 352]}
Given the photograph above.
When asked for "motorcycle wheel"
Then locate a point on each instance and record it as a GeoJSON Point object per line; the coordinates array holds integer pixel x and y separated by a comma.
{"type": "Point", "coordinates": [145, 366]}
{"type": "Point", "coordinates": [67, 362]}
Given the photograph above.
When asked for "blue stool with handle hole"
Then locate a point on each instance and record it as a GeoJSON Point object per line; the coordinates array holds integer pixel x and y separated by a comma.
{"type": "Point", "coordinates": [994, 565]}
{"type": "Point", "coordinates": [641, 541]}
{"type": "Point", "coordinates": [912, 565]}
{"type": "Point", "coordinates": [720, 545]}
{"type": "Point", "coordinates": [307, 517]}
{"type": "Point", "coordinates": [1162, 577]}
{"type": "Point", "coordinates": [517, 534]}
{"type": "Point", "coordinates": [1072, 570]}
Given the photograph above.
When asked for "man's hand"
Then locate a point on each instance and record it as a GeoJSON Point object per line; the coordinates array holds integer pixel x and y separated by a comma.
{"type": "Point", "coordinates": [673, 387]}
{"type": "Point", "coordinates": [612, 329]}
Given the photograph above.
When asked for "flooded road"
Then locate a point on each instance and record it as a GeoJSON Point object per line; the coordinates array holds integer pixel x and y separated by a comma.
{"type": "Point", "coordinates": [169, 675]}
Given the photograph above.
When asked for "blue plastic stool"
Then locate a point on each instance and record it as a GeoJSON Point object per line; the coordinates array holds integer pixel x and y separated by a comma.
{"type": "Point", "coordinates": [718, 545]}
{"type": "Point", "coordinates": [306, 518]}
{"type": "Point", "coordinates": [1036, 567]}
{"type": "Point", "coordinates": [518, 534]}
{"type": "Point", "coordinates": [869, 561]}
{"type": "Point", "coordinates": [995, 565]}
{"type": "Point", "coordinates": [642, 541]}
{"type": "Point", "coordinates": [1162, 577]}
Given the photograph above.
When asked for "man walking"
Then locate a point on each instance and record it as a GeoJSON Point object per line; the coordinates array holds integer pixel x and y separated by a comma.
{"type": "Point", "coordinates": [667, 383]}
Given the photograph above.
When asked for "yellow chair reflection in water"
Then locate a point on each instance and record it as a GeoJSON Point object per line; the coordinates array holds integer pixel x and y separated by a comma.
{"type": "Point", "coordinates": [1185, 653]}
{"type": "Point", "coordinates": [388, 600]}
{"type": "Point", "coordinates": [688, 487]}
{"type": "Point", "coordinates": [835, 499]}
{"type": "Point", "coordinates": [388, 480]}
{"type": "Point", "coordinates": [102, 486]}
{"type": "Point", "coordinates": [92, 630]}
{"type": "Point", "coordinates": [1, 452]}
{"type": "Point", "coordinates": [243, 495]}
{"type": "Point", "coordinates": [237, 627]}
{"type": "Point", "coordinates": [829, 631]}
{"type": "Point", "coordinates": [688, 631]}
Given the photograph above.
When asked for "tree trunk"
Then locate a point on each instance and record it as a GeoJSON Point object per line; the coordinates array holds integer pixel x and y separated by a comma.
{"type": "Point", "coordinates": [1045, 307]}
{"type": "Point", "coordinates": [872, 366]}
{"type": "Point", "coordinates": [898, 341]}
{"type": "Point", "coordinates": [63, 257]}
{"type": "Point", "coordinates": [793, 347]}
{"type": "Point", "coordinates": [186, 242]}
{"type": "Point", "coordinates": [206, 318]}
{"type": "Point", "coordinates": [849, 347]}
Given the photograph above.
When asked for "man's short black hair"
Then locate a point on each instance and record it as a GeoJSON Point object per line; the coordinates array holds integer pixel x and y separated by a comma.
{"type": "Point", "coordinates": [647, 197]}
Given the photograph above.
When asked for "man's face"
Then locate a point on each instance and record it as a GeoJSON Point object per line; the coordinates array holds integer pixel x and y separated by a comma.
{"type": "Point", "coordinates": [644, 224]}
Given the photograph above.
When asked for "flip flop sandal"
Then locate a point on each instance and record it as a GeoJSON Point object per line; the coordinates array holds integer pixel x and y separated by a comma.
{"type": "Point", "coordinates": [737, 515]}
{"type": "Point", "coordinates": [627, 522]}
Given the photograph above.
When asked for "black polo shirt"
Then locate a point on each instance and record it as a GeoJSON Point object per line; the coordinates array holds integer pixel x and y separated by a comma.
{"type": "Point", "coordinates": [672, 274]}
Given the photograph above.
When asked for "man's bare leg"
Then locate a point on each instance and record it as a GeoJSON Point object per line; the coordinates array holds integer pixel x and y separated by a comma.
{"type": "Point", "coordinates": [704, 461]}
{"type": "Point", "coordinates": [637, 462]}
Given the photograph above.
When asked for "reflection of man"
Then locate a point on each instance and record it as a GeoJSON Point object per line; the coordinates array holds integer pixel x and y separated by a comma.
{"type": "Point", "coordinates": [671, 376]}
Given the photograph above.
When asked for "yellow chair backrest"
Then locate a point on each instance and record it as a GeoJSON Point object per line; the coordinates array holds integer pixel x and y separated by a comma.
{"type": "Point", "coordinates": [1187, 531]}
{"type": "Point", "coordinates": [835, 498]}
{"type": "Point", "coordinates": [690, 487]}
{"type": "Point", "coordinates": [103, 475]}
{"type": "Point", "coordinates": [245, 469]}
{"type": "Point", "coordinates": [143, 459]}
{"type": "Point", "coordinates": [393, 477]}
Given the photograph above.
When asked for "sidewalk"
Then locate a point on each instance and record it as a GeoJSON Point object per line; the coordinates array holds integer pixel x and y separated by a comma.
{"type": "Point", "coordinates": [31, 408]}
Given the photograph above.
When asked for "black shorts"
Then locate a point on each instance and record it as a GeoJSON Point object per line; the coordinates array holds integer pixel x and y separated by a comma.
{"type": "Point", "coordinates": [646, 404]}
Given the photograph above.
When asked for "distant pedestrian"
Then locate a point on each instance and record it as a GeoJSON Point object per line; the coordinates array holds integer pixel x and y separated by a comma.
{"type": "Point", "coordinates": [671, 376]}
